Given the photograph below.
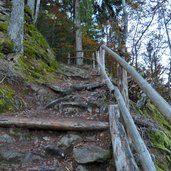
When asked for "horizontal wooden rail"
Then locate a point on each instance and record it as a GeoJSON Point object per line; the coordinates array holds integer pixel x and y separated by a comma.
{"type": "Point", "coordinates": [155, 97]}
{"type": "Point", "coordinates": [140, 146]}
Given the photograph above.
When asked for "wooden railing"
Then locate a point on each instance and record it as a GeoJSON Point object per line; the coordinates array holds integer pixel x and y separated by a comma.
{"type": "Point", "coordinates": [120, 118]}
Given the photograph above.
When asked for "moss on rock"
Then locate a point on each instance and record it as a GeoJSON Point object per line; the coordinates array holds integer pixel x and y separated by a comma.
{"type": "Point", "coordinates": [6, 46]}
{"type": "Point", "coordinates": [162, 143]}
{"type": "Point", "coordinates": [4, 26]}
{"type": "Point", "coordinates": [160, 138]}
{"type": "Point", "coordinates": [6, 98]}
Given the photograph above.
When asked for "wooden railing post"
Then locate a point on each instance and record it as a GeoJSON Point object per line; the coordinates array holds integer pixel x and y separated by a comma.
{"type": "Point", "coordinates": [155, 97]}
{"type": "Point", "coordinates": [123, 156]}
{"type": "Point", "coordinates": [94, 60]}
{"type": "Point", "coordinates": [140, 146]}
{"type": "Point", "coordinates": [102, 57]}
{"type": "Point", "coordinates": [122, 83]}
{"type": "Point", "coordinates": [69, 59]}
{"type": "Point", "coordinates": [97, 58]}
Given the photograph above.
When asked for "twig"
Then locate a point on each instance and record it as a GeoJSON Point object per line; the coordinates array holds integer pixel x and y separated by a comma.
{"type": "Point", "coordinates": [3, 78]}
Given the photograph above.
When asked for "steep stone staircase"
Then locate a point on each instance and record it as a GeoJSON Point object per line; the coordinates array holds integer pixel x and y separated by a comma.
{"type": "Point", "coordinates": [80, 96]}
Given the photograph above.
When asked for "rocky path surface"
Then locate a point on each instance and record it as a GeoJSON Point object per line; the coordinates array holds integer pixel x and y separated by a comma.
{"type": "Point", "coordinates": [78, 94]}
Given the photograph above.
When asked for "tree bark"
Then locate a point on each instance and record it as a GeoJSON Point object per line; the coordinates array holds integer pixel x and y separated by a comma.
{"type": "Point", "coordinates": [78, 34]}
{"type": "Point", "coordinates": [37, 11]}
{"type": "Point", "coordinates": [31, 4]}
{"type": "Point", "coordinates": [16, 26]}
{"type": "Point", "coordinates": [121, 72]}
{"type": "Point", "coordinates": [169, 44]}
{"type": "Point", "coordinates": [58, 124]}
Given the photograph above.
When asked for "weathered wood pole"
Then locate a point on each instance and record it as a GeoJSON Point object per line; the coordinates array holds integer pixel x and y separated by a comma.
{"type": "Point", "coordinates": [140, 146]}
{"type": "Point", "coordinates": [123, 156]}
{"type": "Point", "coordinates": [94, 60]}
{"type": "Point", "coordinates": [155, 97]}
{"type": "Point", "coordinates": [48, 124]}
{"type": "Point", "coordinates": [69, 59]}
{"type": "Point", "coordinates": [31, 4]}
{"type": "Point", "coordinates": [37, 11]}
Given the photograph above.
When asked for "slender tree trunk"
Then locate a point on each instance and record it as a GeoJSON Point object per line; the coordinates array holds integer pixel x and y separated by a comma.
{"type": "Point", "coordinates": [37, 11]}
{"type": "Point", "coordinates": [121, 73]}
{"type": "Point", "coordinates": [16, 26]}
{"type": "Point", "coordinates": [169, 43]}
{"type": "Point", "coordinates": [78, 34]}
{"type": "Point", "coordinates": [31, 4]}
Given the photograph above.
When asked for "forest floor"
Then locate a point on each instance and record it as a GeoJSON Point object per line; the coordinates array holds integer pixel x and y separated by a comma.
{"type": "Point", "coordinates": [59, 150]}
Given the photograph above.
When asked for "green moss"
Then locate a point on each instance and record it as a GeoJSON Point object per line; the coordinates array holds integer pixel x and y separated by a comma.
{"type": "Point", "coordinates": [160, 138]}
{"type": "Point", "coordinates": [2, 56]}
{"type": "Point", "coordinates": [8, 4]}
{"type": "Point", "coordinates": [38, 63]}
{"type": "Point", "coordinates": [36, 70]}
{"type": "Point", "coordinates": [28, 14]}
{"type": "Point", "coordinates": [3, 26]}
{"type": "Point", "coordinates": [6, 98]}
{"type": "Point", "coordinates": [6, 45]}
{"type": "Point", "coordinates": [162, 143]}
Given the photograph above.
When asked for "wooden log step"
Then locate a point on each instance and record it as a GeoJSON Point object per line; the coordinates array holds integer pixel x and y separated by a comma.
{"type": "Point", "coordinates": [58, 124]}
{"type": "Point", "coordinates": [75, 87]}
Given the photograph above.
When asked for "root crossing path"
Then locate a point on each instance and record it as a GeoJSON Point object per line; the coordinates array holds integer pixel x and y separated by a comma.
{"type": "Point", "coordinates": [59, 126]}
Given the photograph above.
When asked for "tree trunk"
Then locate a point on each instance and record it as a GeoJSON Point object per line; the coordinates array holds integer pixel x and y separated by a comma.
{"type": "Point", "coordinates": [31, 4]}
{"type": "Point", "coordinates": [121, 72]}
{"type": "Point", "coordinates": [78, 34]}
{"type": "Point", "coordinates": [37, 11]}
{"type": "Point", "coordinates": [16, 26]}
{"type": "Point", "coordinates": [169, 43]}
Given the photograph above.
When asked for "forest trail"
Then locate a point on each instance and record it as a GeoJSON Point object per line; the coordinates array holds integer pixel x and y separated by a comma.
{"type": "Point", "coordinates": [79, 95]}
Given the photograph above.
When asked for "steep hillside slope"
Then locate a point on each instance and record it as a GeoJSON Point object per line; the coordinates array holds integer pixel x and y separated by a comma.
{"type": "Point", "coordinates": [37, 64]}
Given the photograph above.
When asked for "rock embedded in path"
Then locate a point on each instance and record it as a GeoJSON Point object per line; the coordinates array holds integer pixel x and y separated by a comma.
{"type": "Point", "coordinates": [10, 155]}
{"type": "Point", "coordinates": [81, 168]}
{"type": "Point", "coordinates": [87, 153]}
{"type": "Point", "coordinates": [5, 138]}
{"type": "Point", "coordinates": [31, 157]}
{"type": "Point", "coordinates": [68, 140]}
{"type": "Point", "coordinates": [55, 151]}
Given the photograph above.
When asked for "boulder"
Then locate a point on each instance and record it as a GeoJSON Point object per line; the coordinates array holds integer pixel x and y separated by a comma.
{"type": "Point", "coordinates": [87, 153]}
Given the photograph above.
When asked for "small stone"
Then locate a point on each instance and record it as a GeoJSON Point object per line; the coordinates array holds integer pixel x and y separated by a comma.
{"type": "Point", "coordinates": [10, 155]}
{"type": "Point", "coordinates": [46, 138]}
{"type": "Point", "coordinates": [6, 139]}
{"type": "Point", "coordinates": [81, 168]}
{"type": "Point", "coordinates": [90, 153]}
{"type": "Point", "coordinates": [30, 158]}
{"type": "Point", "coordinates": [55, 150]}
{"type": "Point", "coordinates": [42, 169]}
